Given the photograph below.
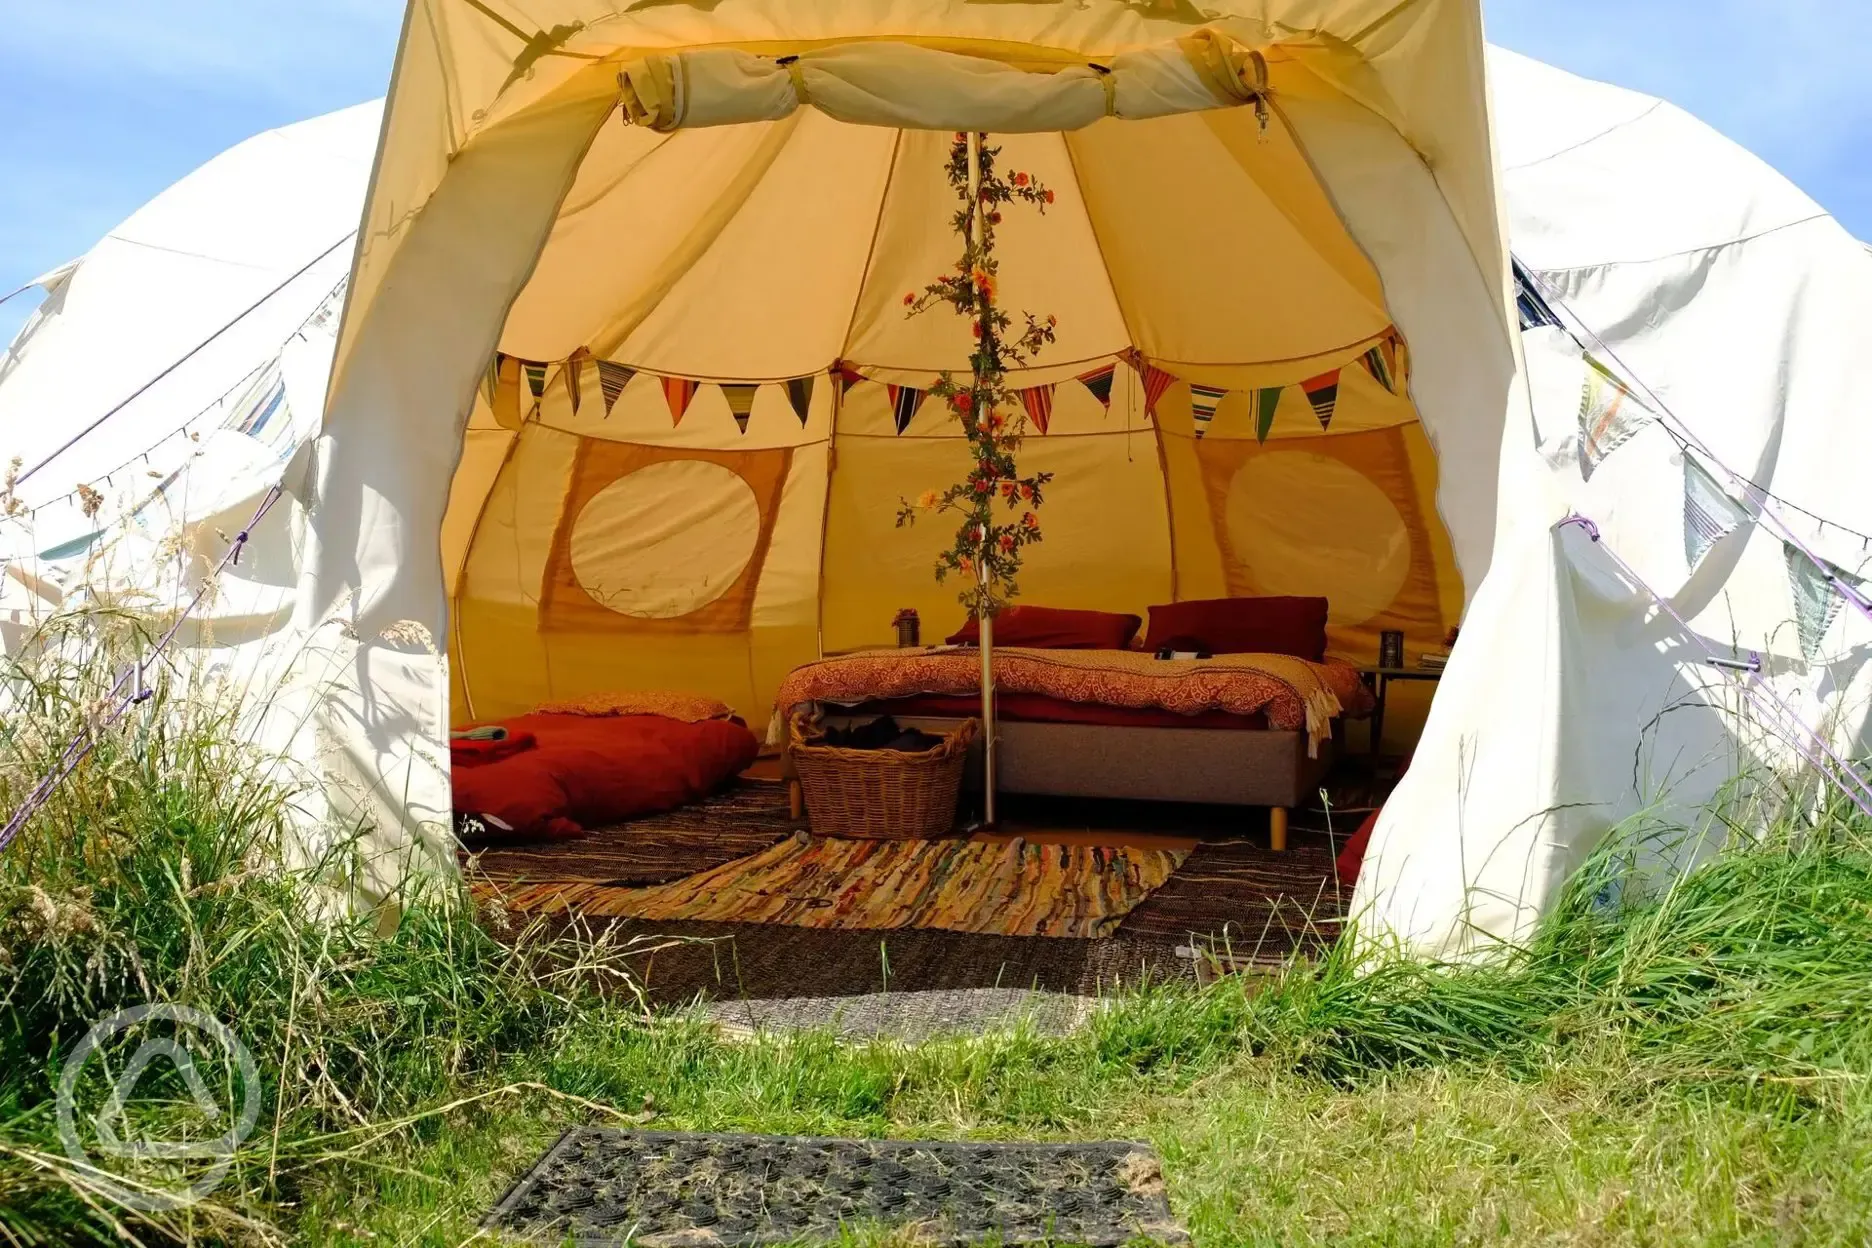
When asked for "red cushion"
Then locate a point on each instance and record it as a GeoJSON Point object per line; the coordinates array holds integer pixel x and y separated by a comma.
{"type": "Point", "coordinates": [602, 769]}
{"type": "Point", "coordinates": [1295, 626]}
{"type": "Point", "coordinates": [1352, 853]}
{"type": "Point", "coordinates": [1055, 628]}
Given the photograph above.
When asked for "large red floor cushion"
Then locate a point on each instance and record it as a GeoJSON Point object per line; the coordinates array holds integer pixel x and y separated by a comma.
{"type": "Point", "coordinates": [595, 770]}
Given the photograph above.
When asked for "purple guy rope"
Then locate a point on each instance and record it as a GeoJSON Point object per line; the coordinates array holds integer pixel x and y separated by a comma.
{"type": "Point", "coordinates": [1679, 430]}
{"type": "Point", "coordinates": [82, 745]}
{"type": "Point", "coordinates": [1840, 772]}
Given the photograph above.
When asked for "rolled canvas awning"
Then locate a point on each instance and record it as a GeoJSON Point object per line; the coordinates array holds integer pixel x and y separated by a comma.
{"type": "Point", "coordinates": [907, 85]}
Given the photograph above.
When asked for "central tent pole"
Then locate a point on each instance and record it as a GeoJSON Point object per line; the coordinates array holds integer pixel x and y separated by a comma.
{"type": "Point", "coordinates": [976, 226]}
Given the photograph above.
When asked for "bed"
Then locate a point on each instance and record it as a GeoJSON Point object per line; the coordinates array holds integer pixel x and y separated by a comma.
{"type": "Point", "coordinates": [1254, 729]}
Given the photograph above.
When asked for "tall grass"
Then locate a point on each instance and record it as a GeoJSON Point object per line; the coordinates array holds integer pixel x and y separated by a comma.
{"type": "Point", "coordinates": [153, 876]}
{"type": "Point", "coordinates": [386, 1061]}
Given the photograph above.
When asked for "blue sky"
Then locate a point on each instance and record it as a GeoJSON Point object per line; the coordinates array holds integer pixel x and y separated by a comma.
{"type": "Point", "coordinates": [105, 102]}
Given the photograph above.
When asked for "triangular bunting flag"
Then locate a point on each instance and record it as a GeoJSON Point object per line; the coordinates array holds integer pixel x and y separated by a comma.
{"type": "Point", "coordinates": [1156, 381]}
{"type": "Point", "coordinates": [1266, 403]}
{"type": "Point", "coordinates": [1709, 514]}
{"type": "Point", "coordinates": [1203, 403]}
{"type": "Point", "coordinates": [847, 375]}
{"type": "Point", "coordinates": [1378, 362]}
{"type": "Point", "coordinates": [535, 380]}
{"type": "Point", "coordinates": [507, 392]}
{"type": "Point", "coordinates": [1323, 393]}
{"type": "Point", "coordinates": [1609, 415]}
{"type": "Point", "coordinates": [1038, 400]}
{"type": "Point", "coordinates": [612, 378]}
{"type": "Point", "coordinates": [904, 402]}
{"type": "Point", "coordinates": [740, 401]}
{"type": "Point", "coordinates": [799, 394]}
{"type": "Point", "coordinates": [677, 392]}
{"type": "Point", "coordinates": [574, 375]}
{"type": "Point", "coordinates": [1099, 382]}
{"type": "Point", "coordinates": [1817, 600]}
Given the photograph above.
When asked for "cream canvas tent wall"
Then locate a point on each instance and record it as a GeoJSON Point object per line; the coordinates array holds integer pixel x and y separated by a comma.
{"type": "Point", "coordinates": [1739, 312]}
{"type": "Point", "coordinates": [739, 195]}
{"type": "Point", "coordinates": [174, 370]}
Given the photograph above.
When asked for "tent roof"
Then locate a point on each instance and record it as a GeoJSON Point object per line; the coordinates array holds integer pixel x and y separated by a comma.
{"type": "Point", "coordinates": [268, 223]}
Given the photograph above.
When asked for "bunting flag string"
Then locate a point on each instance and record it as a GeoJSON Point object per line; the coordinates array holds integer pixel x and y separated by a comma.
{"type": "Point", "coordinates": [1038, 400]}
{"type": "Point", "coordinates": [678, 392]}
{"type": "Point", "coordinates": [1323, 393]}
{"type": "Point", "coordinates": [574, 373]}
{"type": "Point", "coordinates": [1608, 417]}
{"type": "Point", "coordinates": [904, 401]}
{"type": "Point", "coordinates": [1817, 599]}
{"type": "Point", "coordinates": [799, 396]}
{"type": "Point", "coordinates": [612, 378]}
{"type": "Point", "coordinates": [1266, 403]}
{"type": "Point", "coordinates": [1203, 403]}
{"type": "Point", "coordinates": [740, 401]}
{"type": "Point", "coordinates": [1709, 513]}
{"type": "Point", "coordinates": [1099, 382]}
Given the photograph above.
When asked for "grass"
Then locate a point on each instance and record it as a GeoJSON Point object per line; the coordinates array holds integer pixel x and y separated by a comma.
{"type": "Point", "coordinates": [1679, 1068]}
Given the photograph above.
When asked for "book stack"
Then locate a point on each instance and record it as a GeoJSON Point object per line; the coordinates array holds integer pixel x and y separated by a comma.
{"type": "Point", "coordinates": [1433, 660]}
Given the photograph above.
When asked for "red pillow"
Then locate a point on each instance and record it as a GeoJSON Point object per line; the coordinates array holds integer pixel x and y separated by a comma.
{"type": "Point", "coordinates": [1055, 628]}
{"type": "Point", "coordinates": [1295, 626]}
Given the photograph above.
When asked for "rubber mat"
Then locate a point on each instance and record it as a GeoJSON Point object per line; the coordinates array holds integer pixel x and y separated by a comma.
{"type": "Point", "coordinates": [600, 1186]}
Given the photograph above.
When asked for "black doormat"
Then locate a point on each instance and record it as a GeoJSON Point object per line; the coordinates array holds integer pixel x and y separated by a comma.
{"type": "Point", "coordinates": [600, 1186]}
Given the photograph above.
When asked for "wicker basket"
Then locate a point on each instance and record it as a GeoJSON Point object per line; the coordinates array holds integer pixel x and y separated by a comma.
{"type": "Point", "coordinates": [891, 795]}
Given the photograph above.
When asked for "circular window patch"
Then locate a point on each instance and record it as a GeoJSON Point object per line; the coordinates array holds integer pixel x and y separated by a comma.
{"type": "Point", "coordinates": [1310, 525]}
{"type": "Point", "coordinates": [666, 540]}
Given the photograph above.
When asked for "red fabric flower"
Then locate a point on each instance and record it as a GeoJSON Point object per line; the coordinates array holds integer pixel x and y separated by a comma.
{"type": "Point", "coordinates": [910, 299]}
{"type": "Point", "coordinates": [1048, 196]}
{"type": "Point", "coordinates": [1007, 541]}
{"type": "Point", "coordinates": [1020, 179]}
{"type": "Point", "coordinates": [1030, 521]}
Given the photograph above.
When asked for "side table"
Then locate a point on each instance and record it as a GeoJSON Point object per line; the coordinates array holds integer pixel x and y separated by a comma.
{"type": "Point", "coordinates": [1378, 680]}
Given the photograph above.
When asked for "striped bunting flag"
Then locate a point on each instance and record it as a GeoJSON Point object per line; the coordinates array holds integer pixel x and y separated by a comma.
{"type": "Point", "coordinates": [1156, 381]}
{"type": "Point", "coordinates": [1381, 363]}
{"type": "Point", "coordinates": [574, 372]}
{"type": "Point", "coordinates": [612, 378]}
{"type": "Point", "coordinates": [1266, 403]}
{"type": "Point", "coordinates": [740, 401]}
{"type": "Point", "coordinates": [1038, 400]}
{"type": "Point", "coordinates": [1608, 417]}
{"type": "Point", "coordinates": [1203, 403]}
{"type": "Point", "coordinates": [1099, 382]}
{"type": "Point", "coordinates": [799, 395]}
{"type": "Point", "coordinates": [1817, 601]}
{"type": "Point", "coordinates": [535, 380]}
{"type": "Point", "coordinates": [677, 392]}
{"type": "Point", "coordinates": [904, 401]}
{"type": "Point", "coordinates": [1709, 513]}
{"type": "Point", "coordinates": [848, 377]}
{"type": "Point", "coordinates": [1323, 393]}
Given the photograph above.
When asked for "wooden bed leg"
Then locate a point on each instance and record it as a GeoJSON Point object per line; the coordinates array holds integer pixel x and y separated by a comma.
{"type": "Point", "coordinates": [796, 800]}
{"type": "Point", "coordinates": [1277, 829]}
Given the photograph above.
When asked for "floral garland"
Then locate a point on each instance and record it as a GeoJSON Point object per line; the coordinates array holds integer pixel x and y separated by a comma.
{"type": "Point", "coordinates": [986, 552]}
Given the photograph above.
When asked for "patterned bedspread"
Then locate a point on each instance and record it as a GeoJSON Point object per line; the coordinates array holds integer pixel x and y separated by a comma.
{"type": "Point", "coordinates": [1292, 693]}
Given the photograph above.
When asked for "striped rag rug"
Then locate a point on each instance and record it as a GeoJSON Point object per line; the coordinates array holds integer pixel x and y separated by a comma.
{"type": "Point", "coordinates": [1014, 889]}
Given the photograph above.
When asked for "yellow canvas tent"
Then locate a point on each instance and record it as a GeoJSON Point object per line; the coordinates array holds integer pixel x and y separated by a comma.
{"type": "Point", "coordinates": [619, 401]}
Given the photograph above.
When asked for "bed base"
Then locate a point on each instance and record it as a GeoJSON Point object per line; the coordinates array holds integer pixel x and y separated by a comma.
{"type": "Point", "coordinates": [1214, 766]}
